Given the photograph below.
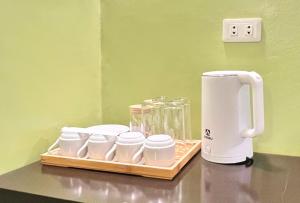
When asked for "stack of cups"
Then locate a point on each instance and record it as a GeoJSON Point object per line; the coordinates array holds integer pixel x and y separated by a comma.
{"type": "Point", "coordinates": [70, 141]}
{"type": "Point", "coordinates": [130, 147]}
{"type": "Point", "coordinates": [159, 150]}
{"type": "Point", "coordinates": [100, 146]}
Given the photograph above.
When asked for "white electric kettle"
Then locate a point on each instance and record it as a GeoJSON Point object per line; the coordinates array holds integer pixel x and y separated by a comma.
{"type": "Point", "coordinates": [227, 127]}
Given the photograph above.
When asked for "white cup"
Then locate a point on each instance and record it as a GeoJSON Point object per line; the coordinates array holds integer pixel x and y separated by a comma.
{"type": "Point", "coordinates": [130, 147]}
{"type": "Point", "coordinates": [159, 150]}
{"type": "Point", "coordinates": [99, 146]}
{"type": "Point", "coordinates": [70, 141]}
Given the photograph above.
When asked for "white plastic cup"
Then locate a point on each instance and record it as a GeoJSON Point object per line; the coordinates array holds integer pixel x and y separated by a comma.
{"type": "Point", "coordinates": [70, 141]}
{"type": "Point", "coordinates": [130, 147]}
{"type": "Point", "coordinates": [99, 146]}
{"type": "Point", "coordinates": [159, 150]}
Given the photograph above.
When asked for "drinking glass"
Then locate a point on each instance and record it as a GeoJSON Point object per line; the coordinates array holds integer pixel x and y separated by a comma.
{"type": "Point", "coordinates": [140, 118]}
{"type": "Point", "coordinates": [186, 116]}
{"type": "Point", "coordinates": [177, 120]}
{"type": "Point", "coordinates": [173, 120]}
{"type": "Point", "coordinates": [154, 123]}
{"type": "Point", "coordinates": [136, 117]}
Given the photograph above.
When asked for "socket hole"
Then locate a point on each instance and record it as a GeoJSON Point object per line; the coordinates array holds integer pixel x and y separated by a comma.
{"type": "Point", "coordinates": [249, 26]}
{"type": "Point", "coordinates": [248, 32]}
{"type": "Point", "coordinates": [233, 27]}
{"type": "Point", "coordinates": [233, 33]}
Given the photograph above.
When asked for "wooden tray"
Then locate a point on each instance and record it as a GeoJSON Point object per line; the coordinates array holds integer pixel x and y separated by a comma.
{"type": "Point", "coordinates": [183, 155]}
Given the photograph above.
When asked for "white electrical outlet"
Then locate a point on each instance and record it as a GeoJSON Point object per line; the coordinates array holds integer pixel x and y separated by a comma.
{"type": "Point", "coordinates": [242, 30]}
{"type": "Point", "coordinates": [233, 30]}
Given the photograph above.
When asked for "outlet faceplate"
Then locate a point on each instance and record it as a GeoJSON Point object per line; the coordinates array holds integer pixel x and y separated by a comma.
{"type": "Point", "coordinates": [242, 30]}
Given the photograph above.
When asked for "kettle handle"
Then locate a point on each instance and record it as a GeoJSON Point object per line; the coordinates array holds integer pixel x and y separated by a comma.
{"type": "Point", "coordinates": [256, 83]}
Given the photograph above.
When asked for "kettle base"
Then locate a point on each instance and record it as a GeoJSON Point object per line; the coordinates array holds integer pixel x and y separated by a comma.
{"type": "Point", "coordinates": [227, 160]}
{"type": "Point", "coordinates": [248, 162]}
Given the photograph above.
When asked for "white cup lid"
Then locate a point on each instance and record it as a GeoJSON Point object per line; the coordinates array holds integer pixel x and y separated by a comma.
{"type": "Point", "coordinates": [160, 140]}
{"type": "Point", "coordinates": [131, 138]}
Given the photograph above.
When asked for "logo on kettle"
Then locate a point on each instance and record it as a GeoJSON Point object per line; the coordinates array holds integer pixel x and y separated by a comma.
{"type": "Point", "coordinates": [207, 134]}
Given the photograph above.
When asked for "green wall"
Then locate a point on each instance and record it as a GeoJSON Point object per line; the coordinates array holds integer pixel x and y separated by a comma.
{"type": "Point", "coordinates": [50, 74]}
{"type": "Point", "coordinates": [161, 47]}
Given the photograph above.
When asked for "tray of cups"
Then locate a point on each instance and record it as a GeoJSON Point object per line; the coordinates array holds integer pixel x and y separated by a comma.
{"type": "Point", "coordinates": [120, 151]}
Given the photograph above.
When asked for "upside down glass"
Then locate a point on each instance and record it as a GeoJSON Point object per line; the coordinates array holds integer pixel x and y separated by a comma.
{"type": "Point", "coordinates": [140, 118]}
{"type": "Point", "coordinates": [136, 117]}
{"type": "Point", "coordinates": [155, 124]}
{"type": "Point", "coordinates": [186, 116]}
{"type": "Point", "coordinates": [177, 120]}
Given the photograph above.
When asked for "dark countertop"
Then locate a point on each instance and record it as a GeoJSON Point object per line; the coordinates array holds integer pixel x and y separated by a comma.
{"type": "Point", "coordinates": [271, 179]}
